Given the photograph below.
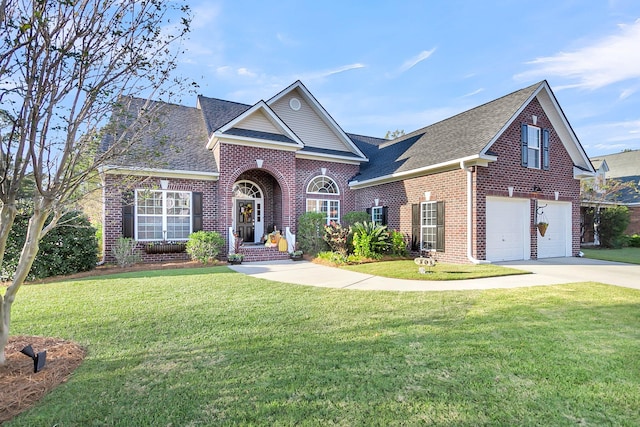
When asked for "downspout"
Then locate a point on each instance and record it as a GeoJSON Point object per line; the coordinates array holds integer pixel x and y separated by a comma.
{"type": "Point", "coordinates": [470, 216]}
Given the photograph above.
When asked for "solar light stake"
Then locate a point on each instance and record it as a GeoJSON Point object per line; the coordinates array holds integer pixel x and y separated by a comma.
{"type": "Point", "coordinates": [39, 359]}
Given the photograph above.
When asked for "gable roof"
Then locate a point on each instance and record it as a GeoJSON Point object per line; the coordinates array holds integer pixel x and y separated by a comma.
{"type": "Point", "coordinates": [626, 163]}
{"type": "Point", "coordinates": [465, 137]}
{"type": "Point", "coordinates": [166, 146]}
{"type": "Point", "coordinates": [218, 112]}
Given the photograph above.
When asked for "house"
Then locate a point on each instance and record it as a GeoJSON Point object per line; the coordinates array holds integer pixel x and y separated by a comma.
{"type": "Point", "coordinates": [472, 187]}
{"type": "Point", "coordinates": [623, 167]}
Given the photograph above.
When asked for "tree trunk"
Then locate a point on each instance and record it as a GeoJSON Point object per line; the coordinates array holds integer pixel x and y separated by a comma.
{"type": "Point", "coordinates": [29, 251]}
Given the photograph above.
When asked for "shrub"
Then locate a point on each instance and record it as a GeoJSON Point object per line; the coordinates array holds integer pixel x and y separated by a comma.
{"type": "Point", "coordinates": [350, 218]}
{"type": "Point", "coordinates": [634, 241]}
{"type": "Point", "coordinates": [370, 239]}
{"type": "Point", "coordinates": [332, 257]}
{"type": "Point", "coordinates": [68, 248]}
{"type": "Point", "coordinates": [398, 243]}
{"type": "Point", "coordinates": [310, 231]}
{"type": "Point", "coordinates": [336, 237]}
{"type": "Point", "coordinates": [125, 253]}
{"type": "Point", "coordinates": [613, 223]}
{"type": "Point", "coordinates": [204, 246]}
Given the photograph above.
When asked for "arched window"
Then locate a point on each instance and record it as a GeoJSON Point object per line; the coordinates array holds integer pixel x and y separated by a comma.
{"type": "Point", "coordinates": [322, 185]}
{"type": "Point", "coordinates": [246, 190]}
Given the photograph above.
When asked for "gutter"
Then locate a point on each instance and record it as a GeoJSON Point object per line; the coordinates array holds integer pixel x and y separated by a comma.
{"type": "Point", "coordinates": [470, 256]}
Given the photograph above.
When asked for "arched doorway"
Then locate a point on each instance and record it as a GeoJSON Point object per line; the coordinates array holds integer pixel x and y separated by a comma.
{"type": "Point", "coordinates": [248, 211]}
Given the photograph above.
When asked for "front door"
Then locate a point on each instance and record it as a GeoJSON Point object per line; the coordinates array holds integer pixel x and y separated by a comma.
{"type": "Point", "coordinates": [245, 220]}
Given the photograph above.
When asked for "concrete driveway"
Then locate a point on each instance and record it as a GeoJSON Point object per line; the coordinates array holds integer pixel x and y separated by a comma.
{"type": "Point", "coordinates": [545, 272]}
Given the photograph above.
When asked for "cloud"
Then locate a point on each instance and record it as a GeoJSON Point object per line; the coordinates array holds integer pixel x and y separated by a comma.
{"type": "Point", "coordinates": [612, 59]}
{"type": "Point", "coordinates": [412, 62]}
{"type": "Point", "coordinates": [317, 75]}
{"type": "Point", "coordinates": [475, 92]}
{"type": "Point", "coordinates": [227, 71]}
{"type": "Point", "coordinates": [610, 137]}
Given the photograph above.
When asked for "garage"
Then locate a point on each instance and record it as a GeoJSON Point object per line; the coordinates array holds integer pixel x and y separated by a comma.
{"type": "Point", "coordinates": [508, 237]}
{"type": "Point", "coordinates": [556, 241]}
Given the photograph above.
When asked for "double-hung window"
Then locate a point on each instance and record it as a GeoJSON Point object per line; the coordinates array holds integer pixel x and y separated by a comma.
{"type": "Point", "coordinates": [533, 143]}
{"type": "Point", "coordinates": [163, 215]}
{"type": "Point", "coordinates": [331, 208]}
{"type": "Point", "coordinates": [327, 187]}
{"type": "Point", "coordinates": [428, 225]}
{"type": "Point", "coordinates": [535, 147]}
{"type": "Point", "coordinates": [377, 215]}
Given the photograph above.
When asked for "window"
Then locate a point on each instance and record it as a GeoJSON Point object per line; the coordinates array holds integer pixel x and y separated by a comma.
{"type": "Point", "coordinates": [535, 147]}
{"type": "Point", "coordinates": [329, 207]}
{"type": "Point", "coordinates": [427, 227]}
{"type": "Point", "coordinates": [163, 215]}
{"type": "Point", "coordinates": [378, 214]}
{"type": "Point", "coordinates": [322, 185]}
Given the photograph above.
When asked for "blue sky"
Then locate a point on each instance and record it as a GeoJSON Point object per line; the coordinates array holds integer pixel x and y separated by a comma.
{"type": "Point", "coordinates": [385, 65]}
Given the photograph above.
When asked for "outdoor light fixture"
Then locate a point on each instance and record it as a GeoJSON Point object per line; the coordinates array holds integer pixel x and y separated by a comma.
{"type": "Point", "coordinates": [537, 188]}
{"type": "Point", "coordinates": [38, 359]}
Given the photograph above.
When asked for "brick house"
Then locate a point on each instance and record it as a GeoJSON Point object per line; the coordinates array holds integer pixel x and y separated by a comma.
{"type": "Point", "coordinates": [472, 187]}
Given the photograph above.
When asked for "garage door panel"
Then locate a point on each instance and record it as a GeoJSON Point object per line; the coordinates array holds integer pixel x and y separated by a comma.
{"type": "Point", "coordinates": [507, 229]}
{"type": "Point", "coordinates": [557, 240]}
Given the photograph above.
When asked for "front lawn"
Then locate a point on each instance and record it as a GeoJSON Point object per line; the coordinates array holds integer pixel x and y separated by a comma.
{"type": "Point", "coordinates": [212, 347]}
{"type": "Point", "coordinates": [628, 255]}
{"type": "Point", "coordinates": [407, 269]}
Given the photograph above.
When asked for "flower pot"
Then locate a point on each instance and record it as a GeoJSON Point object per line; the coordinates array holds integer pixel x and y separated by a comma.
{"type": "Point", "coordinates": [542, 228]}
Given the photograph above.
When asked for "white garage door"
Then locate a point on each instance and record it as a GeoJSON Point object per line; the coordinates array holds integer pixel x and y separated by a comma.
{"type": "Point", "coordinates": [557, 239]}
{"type": "Point", "coordinates": [508, 236]}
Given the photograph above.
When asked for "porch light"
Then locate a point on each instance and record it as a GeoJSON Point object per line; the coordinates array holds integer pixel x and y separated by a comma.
{"type": "Point", "coordinates": [537, 188]}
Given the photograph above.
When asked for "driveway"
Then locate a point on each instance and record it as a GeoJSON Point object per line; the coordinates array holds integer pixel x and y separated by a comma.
{"type": "Point", "coordinates": [551, 271]}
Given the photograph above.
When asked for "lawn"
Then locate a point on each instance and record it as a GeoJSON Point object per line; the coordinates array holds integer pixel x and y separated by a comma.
{"type": "Point", "coordinates": [407, 269]}
{"type": "Point", "coordinates": [213, 347]}
{"type": "Point", "coordinates": [629, 255]}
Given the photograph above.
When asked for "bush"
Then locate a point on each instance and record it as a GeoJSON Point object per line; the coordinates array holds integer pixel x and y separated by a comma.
{"type": "Point", "coordinates": [124, 251]}
{"type": "Point", "coordinates": [634, 241]}
{"type": "Point", "coordinates": [350, 218]}
{"type": "Point", "coordinates": [613, 223]}
{"type": "Point", "coordinates": [337, 237]}
{"type": "Point", "coordinates": [204, 246]}
{"type": "Point", "coordinates": [310, 231]}
{"type": "Point", "coordinates": [68, 248]}
{"type": "Point", "coordinates": [398, 244]}
{"type": "Point", "coordinates": [370, 239]}
{"type": "Point", "coordinates": [332, 257]}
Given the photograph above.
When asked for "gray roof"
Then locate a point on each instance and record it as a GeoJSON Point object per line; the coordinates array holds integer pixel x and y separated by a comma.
{"type": "Point", "coordinates": [463, 135]}
{"type": "Point", "coordinates": [218, 112]}
{"type": "Point", "coordinates": [268, 136]}
{"type": "Point", "coordinates": [177, 143]}
{"type": "Point", "coordinates": [626, 163]}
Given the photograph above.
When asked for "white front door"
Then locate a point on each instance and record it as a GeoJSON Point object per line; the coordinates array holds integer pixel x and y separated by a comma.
{"type": "Point", "coordinates": [508, 237]}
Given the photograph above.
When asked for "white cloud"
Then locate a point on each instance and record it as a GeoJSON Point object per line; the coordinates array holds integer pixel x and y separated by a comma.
{"type": "Point", "coordinates": [412, 62]}
{"type": "Point", "coordinates": [612, 59]}
{"type": "Point", "coordinates": [475, 92]}
{"type": "Point", "coordinates": [316, 75]}
{"type": "Point", "coordinates": [605, 138]}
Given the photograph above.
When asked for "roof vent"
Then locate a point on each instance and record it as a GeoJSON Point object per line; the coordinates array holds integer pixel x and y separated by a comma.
{"type": "Point", "coordinates": [295, 104]}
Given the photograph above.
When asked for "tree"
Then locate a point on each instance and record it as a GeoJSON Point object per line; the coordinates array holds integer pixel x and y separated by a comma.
{"type": "Point", "coordinates": [395, 134]}
{"type": "Point", "coordinates": [65, 66]}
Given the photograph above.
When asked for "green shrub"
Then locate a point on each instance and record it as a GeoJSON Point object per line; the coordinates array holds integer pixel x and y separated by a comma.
{"type": "Point", "coordinates": [350, 218]}
{"type": "Point", "coordinates": [337, 237]}
{"type": "Point", "coordinates": [125, 253]}
{"type": "Point", "coordinates": [68, 248]}
{"type": "Point", "coordinates": [613, 223]}
{"type": "Point", "coordinates": [398, 244]}
{"type": "Point", "coordinates": [204, 246]}
{"type": "Point", "coordinates": [370, 239]}
{"type": "Point", "coordinates": [634, 241]}
{"type": "Point", "coordinates": [332, 257]}
{"type": "Point", "coordinates": [310, 231]}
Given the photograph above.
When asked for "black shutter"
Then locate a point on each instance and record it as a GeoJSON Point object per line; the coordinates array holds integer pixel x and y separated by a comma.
{"type": "Point", "coordinates": [385, 209]}
{"type": "Point", "coordinates": [440, 226]}
{"type": "Point", "coordinates": [128, 214]}
{"type": "Point", "coordinates": [369, 213]}
{"type": "Point", "coordinates": [545, 149]}
{"type": "Point", "coordinates": [196, 199]}
{"type": "Point", "coordinates": [524, 144]}
{"type": "Point", "coordinates": [415, 227]}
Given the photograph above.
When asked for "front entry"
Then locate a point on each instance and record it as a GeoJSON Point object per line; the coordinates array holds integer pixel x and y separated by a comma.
{"type": "Point", "coordinates": [245, 220]}
{"type": "Point", "coordinates": [248, 218]}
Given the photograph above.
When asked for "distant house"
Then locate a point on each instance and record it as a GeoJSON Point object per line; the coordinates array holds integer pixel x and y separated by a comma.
{"type": "Point", "coordinates": [623, 167]}
{"type": "Point", "coordinates": [472, 187]}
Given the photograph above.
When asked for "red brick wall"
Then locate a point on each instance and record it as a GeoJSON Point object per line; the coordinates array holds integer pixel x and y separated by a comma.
{"type": "Point", "coordinates": [114, 187]}
{"type": "Point", "coordinates": [634, 223]}
{"type": "Point", "coordinates": [507, 171]}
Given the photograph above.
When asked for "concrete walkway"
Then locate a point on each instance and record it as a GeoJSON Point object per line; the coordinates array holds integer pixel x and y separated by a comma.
{"type": "Point", "coordinates": [551, 271]}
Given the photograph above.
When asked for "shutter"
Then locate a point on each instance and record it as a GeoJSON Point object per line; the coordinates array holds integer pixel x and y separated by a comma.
{"type": "Point", "coordinates": [369, 211]}
{"type": "Point", "coordinates": [415, 227]}
{"type": "Point", "coordinates": [440, 226]}
{"type": "Point", "coordinates": [524, 145]}
{"type": "Point", "coordinates": [196, 216]}
{"type": "Point", "coordinates": [385, 209]}
{"type": "Point", "coordinates": [128, 214]}
{"type": "Point", "coordinates": [545, 149]}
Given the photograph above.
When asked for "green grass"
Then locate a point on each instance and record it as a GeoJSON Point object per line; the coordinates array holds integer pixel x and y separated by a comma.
{"type": "Point", "coordinates": [628, 255]}
{"type": "Point", "coordinates": [213, 347]}
{"type": "Point", "coordinates": [407, 269]}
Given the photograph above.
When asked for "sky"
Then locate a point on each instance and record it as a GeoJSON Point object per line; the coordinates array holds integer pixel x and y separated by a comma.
{"type": "Point", "coordinates": [378, 66]}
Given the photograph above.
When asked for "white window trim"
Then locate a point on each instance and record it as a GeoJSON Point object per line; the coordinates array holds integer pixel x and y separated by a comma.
{"type": "Point", "coordinates": [326, 178]}
{"type": "Point", "coordinates": [377, 211]}
{"type": "Point", "coordinates": [531, 163]}
{"type": "Point", "coordinates": [433, 226]}
{"type": "Point", "coordinates": [164, 214]}
{"type": "Point", "coordinates": [318, 208]}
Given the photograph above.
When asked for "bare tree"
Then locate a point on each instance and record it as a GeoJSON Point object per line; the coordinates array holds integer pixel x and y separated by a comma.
{"type": "Point", "coordinates": [65, 66]}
